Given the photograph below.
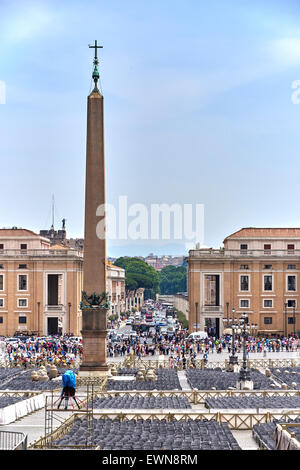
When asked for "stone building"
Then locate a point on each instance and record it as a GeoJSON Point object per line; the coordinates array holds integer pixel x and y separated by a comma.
{"type": "Point", "coordinates": [181, 303]}
{"type": "Point", "coordinates": [41, 285]}
{"type": "Point", "coordinates": [134, 299]}
{"type": "Point", "coordinates": [255, 272]}
{"type": "Point", "coordinates": [116, 288]}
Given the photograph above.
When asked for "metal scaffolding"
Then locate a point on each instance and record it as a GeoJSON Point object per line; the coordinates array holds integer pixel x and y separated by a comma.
{"type": "Point", "coordinates": [56, 417]}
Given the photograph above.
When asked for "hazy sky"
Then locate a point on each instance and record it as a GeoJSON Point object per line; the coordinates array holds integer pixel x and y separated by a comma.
{"type": "Point", "coordinates": [198, 109]}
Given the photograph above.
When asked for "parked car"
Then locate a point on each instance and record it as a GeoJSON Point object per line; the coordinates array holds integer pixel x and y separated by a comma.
{"type": "Point", "coordinates": [198, 335]}
{"type": "Point", "coordinates": [75, 339]}
{"type": "Point", "coordinates": [12, 341]}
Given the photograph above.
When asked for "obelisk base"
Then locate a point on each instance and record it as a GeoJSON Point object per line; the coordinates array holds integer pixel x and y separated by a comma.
{"type": "Point", "coordinates": [94, 333]}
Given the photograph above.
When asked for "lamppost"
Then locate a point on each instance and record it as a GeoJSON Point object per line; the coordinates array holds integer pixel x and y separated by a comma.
{"type": "Point", "coordinates": [69, 317]}
{"type": "Point", "coordinates": [38, 319]}
{"type": "Point", "coordinates": [294, 320]}
{"type": "Point", "coordinates": [245, 330]}
{"type": "Point", "coordinates": [234, 325]}
{"type": "Point", "coordinates": [285, 316]}
{"type": "Point", "coordinates": [196, 305]}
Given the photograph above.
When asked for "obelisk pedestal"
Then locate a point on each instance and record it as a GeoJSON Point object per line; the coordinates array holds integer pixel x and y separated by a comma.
{"type": "Point", "coordinates": [94, 343]}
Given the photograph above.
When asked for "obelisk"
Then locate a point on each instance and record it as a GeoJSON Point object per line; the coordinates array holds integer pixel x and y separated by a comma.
{"type": "Point", "coordinates": [94, 304]}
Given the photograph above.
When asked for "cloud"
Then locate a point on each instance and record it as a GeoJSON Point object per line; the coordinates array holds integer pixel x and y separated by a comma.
{"type": "Point", "coordinates": [284, 52]}
{"type": "Point", "coordinates": [29, 22]}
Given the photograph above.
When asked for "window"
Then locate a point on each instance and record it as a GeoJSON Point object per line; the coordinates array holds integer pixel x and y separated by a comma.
{"type": "Point", "coordinates": [1, 282]}
{"type": "Point", "coordinates": [267, 249]}
{"type": "Point", "coordinates": [268, 284]}
{"type": "Point", "coordinates": [22, 281]}
{"type": "Point", "coordinates": [291, 283]}
{"type": "Point", "coordinates": [244, 283]}
{"type": "Point", "coordinates": [1, 266]}
{"type": "Point", "coordinates": [267, 266]}
{"type": "Point", "coordinates": [22, 320]}
{"type": "Point", "coordinates": [23, 246]}
{"type": "Point", "coordinates": [244, 303]}
{"type": "Point", "coordinates": [268, 303]}
{"type": "Point", "coordinates": [244, 266]}
{"type": "Point", "coordinates": [291, 303]}
{"type": "Point", "coordinates": [243, 248]}
{"type": "Point", "coordinates": [1, 302]}
{"type": "Point", "coordinates": [22, 302]}
{"type": "Point", "coordinates": [291, 266]}
{"type": "Point", "coordinates": [1, 319]}
{"type": "Point", "coordinates": [291, 320]}
{"type": "Point", "coordinates": [22, 266]}
{"type": "Point", "coordinates": [1, 246]}
{"type": "Point", "coordinates": [211, 289]}
{"type": "Point", "coordinates": [291, 248]}
{"type": "Point", "coordinates": [268, 320]}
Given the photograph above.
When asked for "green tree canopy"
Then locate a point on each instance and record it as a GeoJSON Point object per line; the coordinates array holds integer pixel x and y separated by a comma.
{"type": "Point", "coordinates": [139, 274]}
{"type": "Point", "coordinates": [173, 280]}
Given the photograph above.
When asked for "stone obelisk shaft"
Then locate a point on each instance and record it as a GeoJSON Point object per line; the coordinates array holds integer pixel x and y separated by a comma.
{"type": "Point", "coordinates": [94, 327]}
{"type": "Point", "coordinates": [94, 279]}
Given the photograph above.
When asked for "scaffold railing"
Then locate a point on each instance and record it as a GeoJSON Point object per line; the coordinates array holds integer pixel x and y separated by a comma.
{"type": "Point", "coordinates": [55, 414]}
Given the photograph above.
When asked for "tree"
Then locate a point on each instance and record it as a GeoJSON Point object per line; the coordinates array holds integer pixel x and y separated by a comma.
{"type": "Point", "coordinates": [139, 274]}
{"type": "Point", "coordinates": [173, 279]}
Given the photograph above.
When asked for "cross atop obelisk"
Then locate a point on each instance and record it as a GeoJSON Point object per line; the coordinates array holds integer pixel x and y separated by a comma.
{"type": "Point", "coordinates": [96, 74]}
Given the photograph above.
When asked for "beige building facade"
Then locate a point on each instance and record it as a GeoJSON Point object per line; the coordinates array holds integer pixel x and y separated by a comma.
{"type": "Point", "coordinates": [181, 303]}
{"type": "Point", "coordinates": [116, 288]}
{"type": "Point", "coordinates": [257, 272]}
{"type": "Point", "coordinates": [41, 285]}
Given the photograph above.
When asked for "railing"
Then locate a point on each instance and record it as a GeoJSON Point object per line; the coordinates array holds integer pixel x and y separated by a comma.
{"type": "Point", "coordinates": [223, 253]}
{"type": "Point", "coordinates": [197, 397]}
{"type": "Point", "coordinates": [42, 252]}
{"type": "Point", "coordinates": [135, 362]}
{"type": "Point", "coordinates": [20, 393]}
{"type": "Point", "coordinates": [13, 440]}
{"type": "Point", "coordinates": [55, 307]}
{"type": "Point", "coordinates": [211, 308]}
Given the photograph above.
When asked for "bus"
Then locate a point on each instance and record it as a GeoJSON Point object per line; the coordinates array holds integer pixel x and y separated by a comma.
{"type": "Point", "coordinates": [149, 317]}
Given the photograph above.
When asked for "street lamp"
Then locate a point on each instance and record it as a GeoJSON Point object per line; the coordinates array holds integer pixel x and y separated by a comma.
{"type": "Point", "coordinates": [294, 319]}
{"type": "Point", "coordinates": [245, 330]}
{"type": "Point", "coordinates": [69, 317]}
{"type": "Point", "coordinates": [285, 316]}
{"type": "Point", "coordinates": [38, 318]}
{"type": "Point", "coordinates": [233, 324]}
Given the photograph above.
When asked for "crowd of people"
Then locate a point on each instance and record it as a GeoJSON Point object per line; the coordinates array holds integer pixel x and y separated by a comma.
{"type": "Point", "coordinates": [62, 351]}
{"type": "Point", "coordinates": [59, 350]}
{"type": "Point", "coordinates": [179, 346]}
